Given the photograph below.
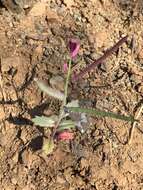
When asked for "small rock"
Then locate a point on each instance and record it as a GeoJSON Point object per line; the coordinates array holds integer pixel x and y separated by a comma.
{"type": "Point", "coordinates": [140, 89]}
{"type": "Point", "coordinates": [69, 3]}
{"type": "Point", "coordinates": [84, 163]}
{"type": "Point", "coordinates": [2, 113]}
{"type": "Point", "coordinates": [38, 9]}
{"type": "Point", "coordinates": [12, 66]}
{"type": "Point", "coordinates": [14, 180]}
{"type": "Point", "coordinates": [10, 187]}
{"type": "Point", "coordinates": [15, 158]}
{"type": "Point", "coordinates": [136, 79]}
{"type": "Point", "coordinates": [60, 180]}
{"type": "Point", "coordinates": [101, 38]}
{"type": "Point", "coordinates": [140, 55]}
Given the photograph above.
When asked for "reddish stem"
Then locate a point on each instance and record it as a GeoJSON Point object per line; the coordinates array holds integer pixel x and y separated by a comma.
{"type": "Point", "coordinates": [100, 60]}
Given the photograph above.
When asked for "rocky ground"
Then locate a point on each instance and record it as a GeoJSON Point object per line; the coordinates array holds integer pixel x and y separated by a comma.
{"type": "Point", "coordinates": [33, 43]}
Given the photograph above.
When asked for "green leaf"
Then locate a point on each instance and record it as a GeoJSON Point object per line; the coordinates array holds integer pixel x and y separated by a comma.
{"type": "Point", "coordinates": [48, 146]}
{"type": "Point", "coordinates": [43, 121]}
{"type": "Point", "coordinates": [50, 91]}
{"type": "Point", "coordinates": [96, 112]}
{"type": "Point", "coordinates": [66, 124]}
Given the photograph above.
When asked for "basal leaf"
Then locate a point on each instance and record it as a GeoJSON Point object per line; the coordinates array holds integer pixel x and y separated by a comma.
{"type": "Point", "coordinates": [50, 91]}
{"type": "Point", "coordinates": [48, 146]}
{"type": "Point", "coordinates": [96, 112]}
{"type": "Point", "coordinates": [43, 121]}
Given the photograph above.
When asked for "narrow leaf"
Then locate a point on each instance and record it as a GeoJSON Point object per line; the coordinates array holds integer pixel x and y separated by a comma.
{"type": "Point", "coordinates": [48, 146]}
{"type": "Point", "coordinates": [50, 91]}
{"type": "Point", "coordinates": [66, 124]}
{"type": "Point", "coordinates": [43, 121]}
{"type": "Point", "coordinates": [96, 112]}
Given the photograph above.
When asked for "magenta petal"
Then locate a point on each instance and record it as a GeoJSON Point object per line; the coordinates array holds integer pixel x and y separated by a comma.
{"type": "Point", "coordinates": [65, 136]}
{"type": "Point", "coordinates": [74, 47]}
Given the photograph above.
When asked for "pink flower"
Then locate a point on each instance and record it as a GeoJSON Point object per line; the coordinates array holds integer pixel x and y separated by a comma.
{"type": "Point", "coordinates": [65, 136]}
{"type": "Point", "coordinates": [65, 67]}
{"type": "Point", "coordinates": [74, 47]}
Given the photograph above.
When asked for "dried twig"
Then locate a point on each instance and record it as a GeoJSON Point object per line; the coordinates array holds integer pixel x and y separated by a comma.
{"type": "Point", "coordinates": [134, 125]}
{"type": "Point", "coordinates": [101, 59]}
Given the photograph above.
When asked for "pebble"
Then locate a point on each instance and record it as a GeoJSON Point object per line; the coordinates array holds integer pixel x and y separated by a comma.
{"type": "Point", "coordinates": [60, 180]}
{"type": "Point", "coordinates": [38, 9]}
{"type": "Point", "coordinates": [140, 89]}
{"type": "Point", "coordinates": [2, 113]}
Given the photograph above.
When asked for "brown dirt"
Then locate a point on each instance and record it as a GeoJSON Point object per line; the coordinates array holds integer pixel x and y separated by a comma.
{"type": "Point", "coordinates": [33, 44]}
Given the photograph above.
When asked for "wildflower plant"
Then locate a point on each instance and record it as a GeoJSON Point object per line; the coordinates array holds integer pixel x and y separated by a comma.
{"type": "Point", "coordinates": [63, 124]}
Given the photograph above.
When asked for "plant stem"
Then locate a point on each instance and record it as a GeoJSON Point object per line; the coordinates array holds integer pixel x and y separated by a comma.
{"type": "Point", "coordinates": [64, 100]}
{"type": "Point", "coordinates": [67, 82]}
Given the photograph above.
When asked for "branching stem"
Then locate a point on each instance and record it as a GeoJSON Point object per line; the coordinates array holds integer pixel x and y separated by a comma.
{"type": "Point", "coordinates": [65, 99]}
